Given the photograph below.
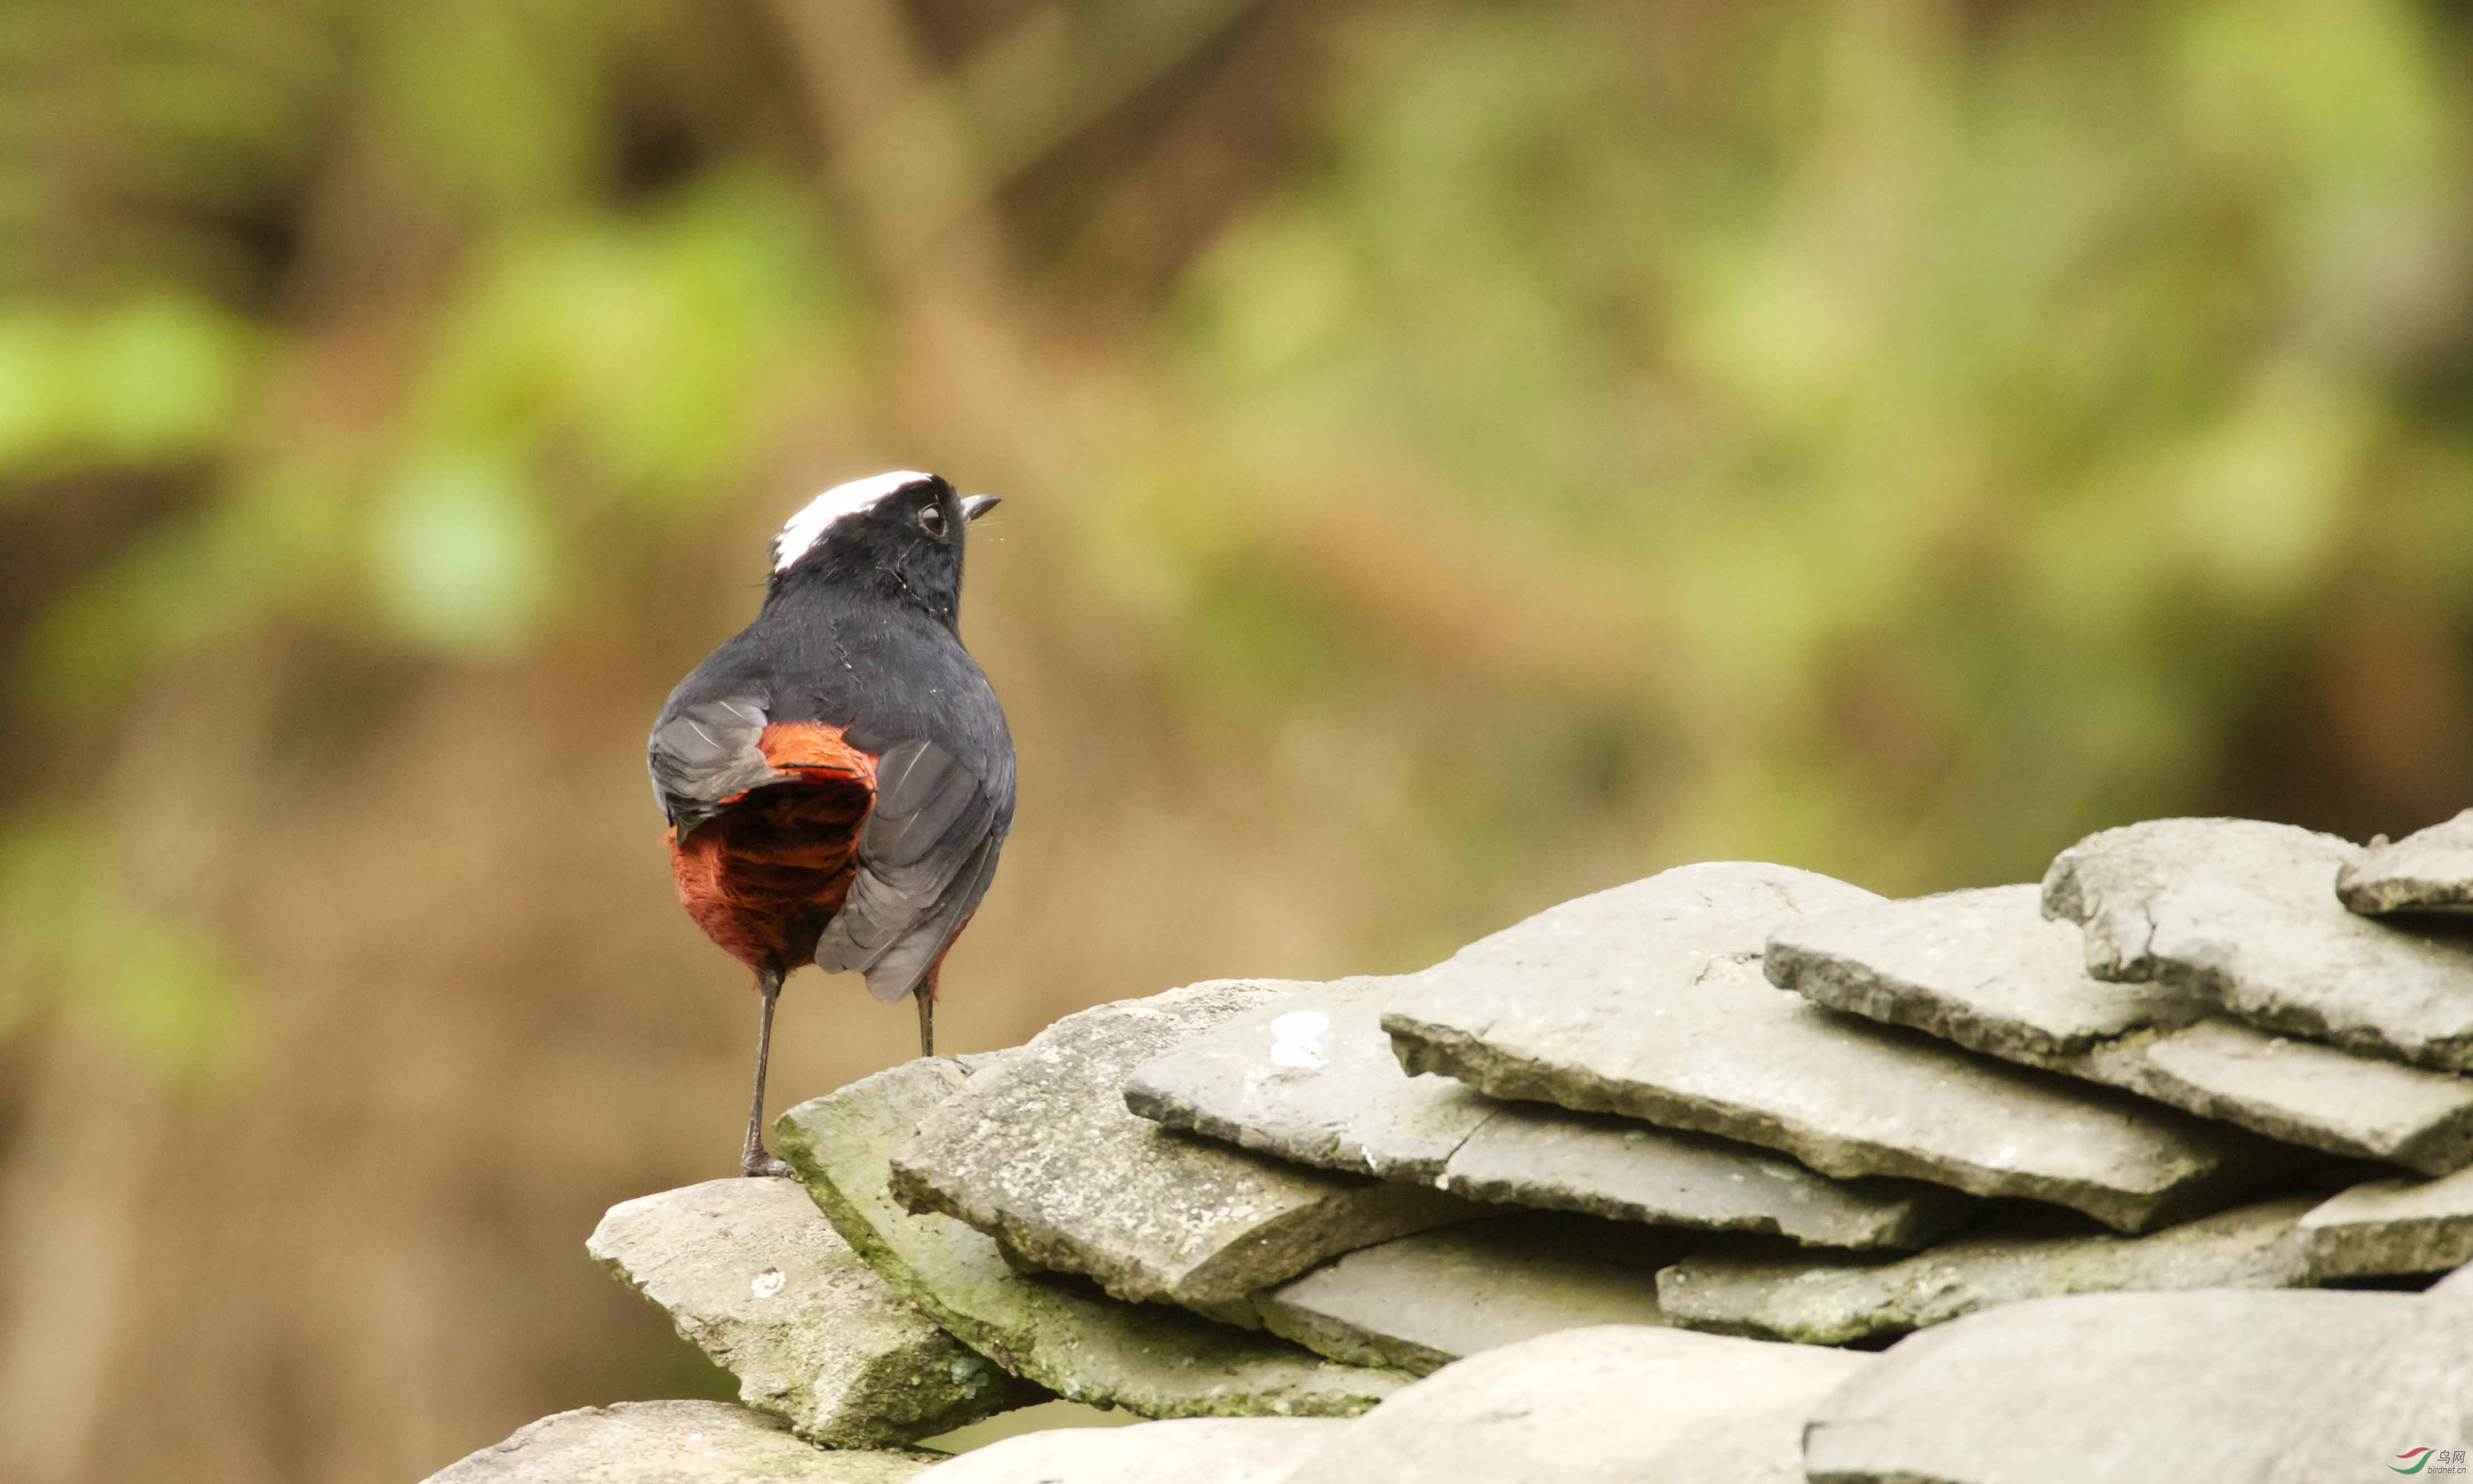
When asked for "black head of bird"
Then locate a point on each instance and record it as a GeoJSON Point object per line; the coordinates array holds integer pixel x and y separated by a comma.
{"type": "Point", "coordinates": [896, 536]}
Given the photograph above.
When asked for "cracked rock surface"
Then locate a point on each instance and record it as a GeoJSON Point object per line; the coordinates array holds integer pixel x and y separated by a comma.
{"type": "Point", "coordinates": [1043, 1154]}
{"type": "Point", "coordinates": [1648, 1002]}
{"type": "Point", "coordinates": [2428, 871]}
{"type": "Point", "coordinates": [672, 1443]}
{"type": "Point", "coordinates": [753, 1275]}
{"type": "Point", "coordinates": [2245, 914]}
{"type": "Point", "coordinates": [1783, 1296]}
{"type": "Point", "coordinates": [1310, 1077]}
{"type": "Point", "coordinates": [1985, 970]}
{"type": "Point", "coordinates": [1147, 1358]}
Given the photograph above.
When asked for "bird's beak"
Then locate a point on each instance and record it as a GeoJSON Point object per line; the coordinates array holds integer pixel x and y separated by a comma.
{"type": "Point", "coordinates": [974, 506]}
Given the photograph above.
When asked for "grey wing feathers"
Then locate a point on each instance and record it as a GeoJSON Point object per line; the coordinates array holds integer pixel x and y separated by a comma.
{"type": "Point", "coordinates": [925, 860]}
{"type": "Point", "coordinates": [705, 753]}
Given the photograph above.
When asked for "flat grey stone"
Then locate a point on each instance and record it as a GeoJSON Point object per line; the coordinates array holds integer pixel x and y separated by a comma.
{"type": "Point", "coordinates": [1784, 1296]}
{"type": "Point", "coordinates": [753, 1275]}
{"type": "Point", "coordinates": [2156, 1388]}
{"type": "Point", "coordinates": [2245, 914]}
{"type": "Point", "coordinates": [2389, 1227]}
{"type": "Point", "coordinates": [1310, 1077]}
{"type": "Point", "coordinates": [1043, 1155]}
{"type": "Point", "coordinates": [1147, 1359]}
{"type": "Point", "coordinates": [2458, 1284]}
{"type": "Point", "coordinates": [2302, 1093]}
{"type": "Point", "coordinates": [1987, 971]}
{"type": "Point", "coordinates": [670, 1442]}
{"type": "Point", "coordinates": [1983, 968]}
{"type": "Point", "coordinates": [1188, 1451]}
{"type": "Point", "coordinates": [1615, 1404]}
{"type": "Point", "coordinates": [1648, 1001]}
{"type": "Point", "coordinates": [2428, 871]}
{"type": "Point", "coordinates": [1537, 1155]}
{"type": "Point", "coordinates": [1422, 1302]}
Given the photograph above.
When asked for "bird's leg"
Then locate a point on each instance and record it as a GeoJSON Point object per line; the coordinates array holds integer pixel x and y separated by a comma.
{"type": "Point", "coordinates": [925, 994]}
{"type": "Point", "coordinates": [755, 1160]}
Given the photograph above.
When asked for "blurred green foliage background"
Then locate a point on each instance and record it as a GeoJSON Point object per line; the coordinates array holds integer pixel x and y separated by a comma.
{"type": "Point", "coordinates": [1457, 456]}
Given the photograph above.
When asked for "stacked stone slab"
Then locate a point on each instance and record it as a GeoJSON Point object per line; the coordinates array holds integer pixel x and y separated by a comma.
{"type": "Point", "coordinates": [1629, 1055]}
{"type": "Point", "coordinates": [2245, 916]}
{"type": "Point", "coordinates": [1041, 1155]}
{"type": "Point", "coordinates": [753, 1275]}
{"type": "Point", "coordinates": [1423, 1301]}
{"type": "Point", "coordinates": [1648, 1002]}
{"type": "Point", "coordinates": [1987, 971]}
{"type": "Point", "coordinates": [2155, 1388]}
{"type": "Point", "coordinates": [857, 1323]}
{"type": "Point", "coordinates": [2207, 944]}
{"type": "Point", "coordinates": [1309, 1075]}
{"type": "Point", "coordinates": [2387, 1227]}
{"type": "Point", "coordinates": [1153, 1359]}
{"type": "Point", "coordinates": [2059, 1137]}
{"type": "Point", "coordinates": [1819, 1300]}
{"type": "Point", "coordinates": [2428, 872]}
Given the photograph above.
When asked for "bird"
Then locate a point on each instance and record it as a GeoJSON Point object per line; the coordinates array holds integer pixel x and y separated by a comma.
{"type": "Point", "coordinates": [838, 776]}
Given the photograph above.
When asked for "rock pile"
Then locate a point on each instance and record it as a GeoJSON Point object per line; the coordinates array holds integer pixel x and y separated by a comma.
{"type": "Point", "coordinates": [1622, 1182]}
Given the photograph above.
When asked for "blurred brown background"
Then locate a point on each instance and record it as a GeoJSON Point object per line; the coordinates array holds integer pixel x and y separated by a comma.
{"type": "Point", "coordinates": [1457, 456]}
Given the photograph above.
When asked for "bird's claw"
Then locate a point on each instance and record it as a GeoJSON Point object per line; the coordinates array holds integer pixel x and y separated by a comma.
{"type": "Point", "coordinates": [760, 1165]}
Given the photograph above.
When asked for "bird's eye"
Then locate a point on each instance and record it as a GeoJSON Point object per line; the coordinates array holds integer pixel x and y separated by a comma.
{"type": "Point", "coordinates": [931, 520]}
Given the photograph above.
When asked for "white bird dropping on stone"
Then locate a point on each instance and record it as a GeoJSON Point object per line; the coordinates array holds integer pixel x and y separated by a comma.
{"type": "Point", "coordinates": [1296, 1039]}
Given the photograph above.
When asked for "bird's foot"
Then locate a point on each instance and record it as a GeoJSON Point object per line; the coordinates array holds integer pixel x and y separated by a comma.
{"type": "Point", "coordinates": [756, 1164]}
